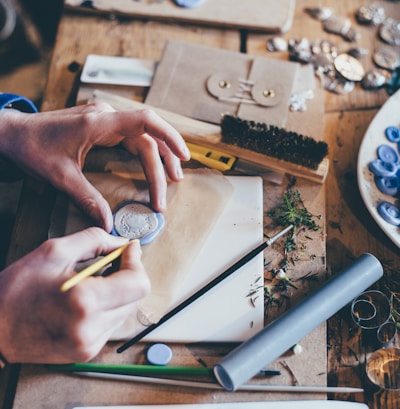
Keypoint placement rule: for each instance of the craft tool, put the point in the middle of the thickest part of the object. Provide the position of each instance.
(229, 271)
(220, 160)
(273, 141)
(372, 310)
(210, 135)
(209, 385)
(248, 358)
(94, 268)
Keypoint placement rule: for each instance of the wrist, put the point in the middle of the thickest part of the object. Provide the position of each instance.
(10, 120)
(10, 104)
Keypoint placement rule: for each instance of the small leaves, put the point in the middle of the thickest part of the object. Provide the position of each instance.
(293, 211)
(281, 279)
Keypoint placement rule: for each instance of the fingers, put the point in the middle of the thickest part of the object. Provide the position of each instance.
(87, 244)
(86, 196)
(124, 287)
(148, 122)
(153, 168)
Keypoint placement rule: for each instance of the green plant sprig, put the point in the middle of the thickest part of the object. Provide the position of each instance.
(293, 211)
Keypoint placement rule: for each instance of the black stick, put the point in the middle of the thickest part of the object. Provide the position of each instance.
(230, 270)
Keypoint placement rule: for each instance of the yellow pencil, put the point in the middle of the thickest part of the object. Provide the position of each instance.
(94, 268)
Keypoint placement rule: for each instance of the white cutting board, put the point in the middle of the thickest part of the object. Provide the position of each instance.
(301, 404)
(225, 313)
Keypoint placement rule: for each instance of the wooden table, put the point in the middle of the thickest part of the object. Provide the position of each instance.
(350, 231)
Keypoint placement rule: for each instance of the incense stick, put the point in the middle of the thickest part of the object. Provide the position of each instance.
(94, 268)
(209, 385)
(229, 271)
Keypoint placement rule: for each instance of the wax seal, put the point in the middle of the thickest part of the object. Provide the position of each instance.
(159, 354)
(137, 220)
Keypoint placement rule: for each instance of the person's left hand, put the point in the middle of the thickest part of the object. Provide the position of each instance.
(54, 145)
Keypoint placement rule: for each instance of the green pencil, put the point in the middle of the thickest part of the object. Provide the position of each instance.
(125, 369)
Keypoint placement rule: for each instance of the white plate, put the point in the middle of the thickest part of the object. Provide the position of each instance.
(388, 115)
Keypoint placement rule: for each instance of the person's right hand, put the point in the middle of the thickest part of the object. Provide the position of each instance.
(53, 145)
(41, 324)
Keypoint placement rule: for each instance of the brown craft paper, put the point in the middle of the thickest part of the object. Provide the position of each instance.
(194, 206)
(195, 81)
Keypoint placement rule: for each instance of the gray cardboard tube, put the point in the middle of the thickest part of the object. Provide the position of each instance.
(251, 356)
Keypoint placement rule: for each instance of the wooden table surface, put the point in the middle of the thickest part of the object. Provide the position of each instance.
(350, 230)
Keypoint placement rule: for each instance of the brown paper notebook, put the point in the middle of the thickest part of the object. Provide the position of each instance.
(260, 15)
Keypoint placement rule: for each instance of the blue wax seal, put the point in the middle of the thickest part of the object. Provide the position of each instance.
(387, 154)
(389, 212)
(392, 133)
(159, 354)
(189, 3)
(137, 220)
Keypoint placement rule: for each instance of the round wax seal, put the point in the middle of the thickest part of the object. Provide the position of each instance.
(159, 354)
(137, 220)
(189, 3)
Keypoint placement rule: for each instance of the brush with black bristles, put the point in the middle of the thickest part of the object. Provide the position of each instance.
(273, 141)
(267, 146)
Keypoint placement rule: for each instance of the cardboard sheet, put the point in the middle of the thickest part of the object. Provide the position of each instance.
(260, 15)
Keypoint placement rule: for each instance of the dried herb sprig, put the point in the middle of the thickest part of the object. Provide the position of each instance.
(293, 211)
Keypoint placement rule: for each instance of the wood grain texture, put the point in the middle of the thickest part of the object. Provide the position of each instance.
(253, 14)
(305, 26)
(129, 38)
(350, 230)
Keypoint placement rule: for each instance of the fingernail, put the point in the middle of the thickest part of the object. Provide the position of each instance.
(179, 172)
(163, 203)
(186, 151)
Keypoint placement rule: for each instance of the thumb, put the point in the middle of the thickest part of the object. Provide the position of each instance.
(89, 199)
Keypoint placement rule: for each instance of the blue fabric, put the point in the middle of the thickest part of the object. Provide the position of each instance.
(17, 102)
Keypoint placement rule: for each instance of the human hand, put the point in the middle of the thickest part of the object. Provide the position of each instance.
(54, 145)
(41, 324)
